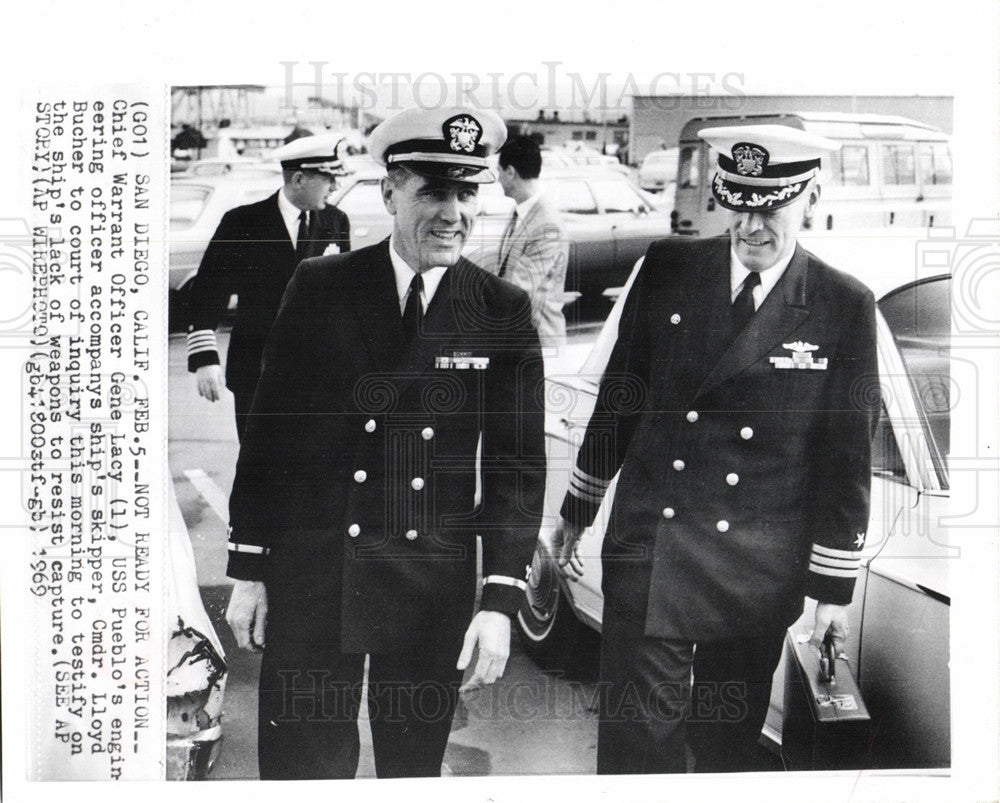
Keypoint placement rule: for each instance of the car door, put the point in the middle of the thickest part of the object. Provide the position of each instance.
(903, 653)
(592, 246)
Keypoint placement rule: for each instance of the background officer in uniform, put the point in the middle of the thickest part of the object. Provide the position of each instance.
(737, 405)
(534, 251)
(353, 512)
(253, 254)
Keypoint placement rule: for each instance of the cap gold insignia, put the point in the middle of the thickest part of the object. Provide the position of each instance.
(801, 358)
(750, 159)
(463, 133)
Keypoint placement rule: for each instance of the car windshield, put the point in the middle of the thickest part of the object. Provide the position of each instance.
(362, 199)
(617, 196)
(571, 196)
(186, 204)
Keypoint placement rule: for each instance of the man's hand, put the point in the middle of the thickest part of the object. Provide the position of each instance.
(565, 541)
(491, 631)
(832, 618)
(210, 382)
(247, 613)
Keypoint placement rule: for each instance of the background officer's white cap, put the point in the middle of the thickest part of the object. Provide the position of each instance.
(318, 152)
(764, 166)
(450, 143)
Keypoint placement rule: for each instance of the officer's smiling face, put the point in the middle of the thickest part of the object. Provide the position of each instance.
(762, 239)
(432, 218)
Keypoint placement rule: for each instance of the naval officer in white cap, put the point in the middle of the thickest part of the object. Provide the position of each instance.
(252, 255)
(353, 513)
(744, 457)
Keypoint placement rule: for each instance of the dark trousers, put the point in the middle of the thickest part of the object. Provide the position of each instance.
(308, 709)
(242, 401)
(653, 719)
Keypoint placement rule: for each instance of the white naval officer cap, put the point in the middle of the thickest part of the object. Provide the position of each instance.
(319, 152)
(453, 143)
(764, 166)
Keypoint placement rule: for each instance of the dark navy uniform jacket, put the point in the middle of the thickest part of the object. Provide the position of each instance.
(252, 256)
(745, 478)
(354, 496)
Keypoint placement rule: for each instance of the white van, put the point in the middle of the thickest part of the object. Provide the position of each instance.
(889, 171)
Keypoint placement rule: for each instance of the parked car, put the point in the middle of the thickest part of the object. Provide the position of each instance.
(570, 159)
(658, 171)
(220, 166)
(197, 204)
(898, 646)
(609, 221)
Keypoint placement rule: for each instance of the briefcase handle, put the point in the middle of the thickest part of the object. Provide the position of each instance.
(828, 660)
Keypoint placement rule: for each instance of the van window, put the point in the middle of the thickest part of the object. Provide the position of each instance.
(898, 165)
(687, 171)
(846, 167)
(935, 163)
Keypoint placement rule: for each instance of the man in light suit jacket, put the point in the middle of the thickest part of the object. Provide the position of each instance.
(252, 255)
(353, 515)
(738, 405)
(534, 251)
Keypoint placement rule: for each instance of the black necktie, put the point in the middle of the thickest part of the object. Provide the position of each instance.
(302, 240)
(505, 242)
(412, 312)
(743, 306)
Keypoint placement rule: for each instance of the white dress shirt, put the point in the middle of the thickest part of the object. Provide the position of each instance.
(768, 278)
(290, 214)
(404, 275)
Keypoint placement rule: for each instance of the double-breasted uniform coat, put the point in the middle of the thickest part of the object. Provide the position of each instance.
(744, 480)
(252, 256)
(744, 483)
(355, 499)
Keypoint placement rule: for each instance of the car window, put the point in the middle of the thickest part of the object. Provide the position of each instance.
(919, 317)
(617, 196)
(186, 204)
(364, 199)
(571, 196)
(886, 458)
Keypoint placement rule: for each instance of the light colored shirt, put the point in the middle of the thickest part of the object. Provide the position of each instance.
(404, 275)
(768, 278)
(290, 214)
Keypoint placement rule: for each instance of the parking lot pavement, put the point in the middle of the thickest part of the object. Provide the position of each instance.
(529, 723)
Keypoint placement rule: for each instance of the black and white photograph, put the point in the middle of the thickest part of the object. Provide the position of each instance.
(504, 403)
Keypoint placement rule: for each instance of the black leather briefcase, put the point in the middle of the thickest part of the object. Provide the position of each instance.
(825, 724)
